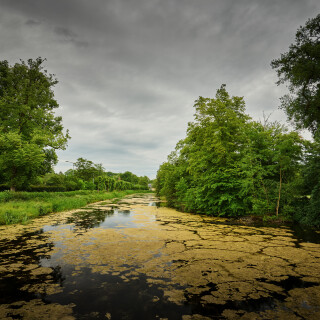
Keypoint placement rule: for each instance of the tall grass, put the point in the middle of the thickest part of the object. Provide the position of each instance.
(20, 207)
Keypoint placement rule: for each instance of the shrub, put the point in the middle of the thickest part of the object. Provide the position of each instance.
(47, 188)
(4, 187)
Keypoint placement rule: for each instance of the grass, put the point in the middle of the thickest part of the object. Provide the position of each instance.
(21, 207)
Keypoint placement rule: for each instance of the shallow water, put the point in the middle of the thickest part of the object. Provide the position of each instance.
(138, 260)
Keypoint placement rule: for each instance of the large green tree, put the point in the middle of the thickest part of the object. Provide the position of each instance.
(130, 177)
(230, 165)
(29, 130)
(87, 170)
(300, 68)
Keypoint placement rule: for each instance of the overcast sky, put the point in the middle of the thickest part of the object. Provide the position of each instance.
(129, 71)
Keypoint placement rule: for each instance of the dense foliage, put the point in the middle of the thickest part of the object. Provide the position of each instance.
(29, 131)
(300, 68)
(86, 175)
(230, 165)
(30, 134)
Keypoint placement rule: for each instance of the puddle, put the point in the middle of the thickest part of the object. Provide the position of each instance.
(140, 260)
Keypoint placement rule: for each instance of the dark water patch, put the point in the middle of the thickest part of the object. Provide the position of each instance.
(120, 219)
(10, 288)
(290, 283)
(112, 218)
(215, 311)
(20, 260)
(96, 295)
(89, 219)
(128, 294)
(13, 251)
(305, 234)
(17, 285)
(262, 304)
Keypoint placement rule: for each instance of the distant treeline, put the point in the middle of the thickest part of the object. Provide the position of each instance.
(85, 175)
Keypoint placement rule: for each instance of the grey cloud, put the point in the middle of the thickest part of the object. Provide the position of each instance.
(32, 22)
(69, 36)
(65, 32)
(129, 71)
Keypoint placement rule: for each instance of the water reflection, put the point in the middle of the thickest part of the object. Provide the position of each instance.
(128, 265)
(22, 276)
(104, 218)
(89, 219)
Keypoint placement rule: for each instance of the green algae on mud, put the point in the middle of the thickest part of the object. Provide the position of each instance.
(144, 261)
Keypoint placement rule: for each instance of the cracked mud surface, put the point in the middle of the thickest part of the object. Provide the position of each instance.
(134, 260)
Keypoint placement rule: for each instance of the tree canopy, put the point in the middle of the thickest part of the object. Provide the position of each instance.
(230, 165)
(29, 130)
(300, 68)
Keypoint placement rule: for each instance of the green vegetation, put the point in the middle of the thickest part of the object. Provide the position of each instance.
(30, 134)
(300, 68)
(20, 207)
(29, 131)
(73, 180)
(64, 191)
(230, 165)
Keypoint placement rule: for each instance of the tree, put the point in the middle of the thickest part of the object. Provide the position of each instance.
(87, 170)
(213, 149)
(20, 161)
(309, 205)
(300, 67)
(144, 181)
(30, 133)
(271, 163)
(229, 165)
(129, 176)
(203, 173)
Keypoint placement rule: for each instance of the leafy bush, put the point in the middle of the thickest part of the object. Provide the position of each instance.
(48, 188)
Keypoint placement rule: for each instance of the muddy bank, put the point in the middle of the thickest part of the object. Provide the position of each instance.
(134, 260)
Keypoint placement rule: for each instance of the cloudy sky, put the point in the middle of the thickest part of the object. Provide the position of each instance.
(129, 71)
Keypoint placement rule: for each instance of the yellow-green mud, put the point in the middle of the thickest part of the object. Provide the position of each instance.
(137, 261)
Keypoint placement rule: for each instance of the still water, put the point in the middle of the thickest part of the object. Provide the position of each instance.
(138, 260)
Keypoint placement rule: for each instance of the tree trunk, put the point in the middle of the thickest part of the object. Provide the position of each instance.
(278, 202)
(13, 177)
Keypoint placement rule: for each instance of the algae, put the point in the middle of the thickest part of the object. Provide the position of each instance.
(216, 268)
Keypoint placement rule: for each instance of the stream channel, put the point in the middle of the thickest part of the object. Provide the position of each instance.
(137, 260)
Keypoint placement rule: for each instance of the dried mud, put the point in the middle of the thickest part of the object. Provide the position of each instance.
(134, 260)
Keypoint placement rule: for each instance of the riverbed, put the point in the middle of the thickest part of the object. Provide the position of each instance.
(136, 259)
